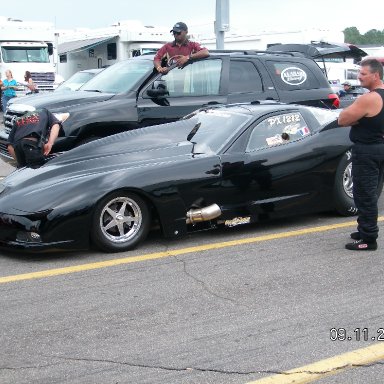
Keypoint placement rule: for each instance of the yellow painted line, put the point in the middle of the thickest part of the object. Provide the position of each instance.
(176, 252)
(327, 367)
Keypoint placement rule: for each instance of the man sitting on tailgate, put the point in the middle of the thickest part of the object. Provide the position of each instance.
(32, 137)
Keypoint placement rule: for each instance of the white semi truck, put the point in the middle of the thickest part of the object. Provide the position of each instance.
(29, 46)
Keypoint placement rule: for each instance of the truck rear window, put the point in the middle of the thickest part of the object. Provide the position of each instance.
(289, 76)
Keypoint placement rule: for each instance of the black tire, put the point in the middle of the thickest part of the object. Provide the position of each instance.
(121, 220)
(343, 196)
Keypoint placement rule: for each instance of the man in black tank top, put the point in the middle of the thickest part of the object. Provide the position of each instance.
(366, 118)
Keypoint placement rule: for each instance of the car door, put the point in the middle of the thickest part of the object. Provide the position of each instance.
(274, 167)
(183, 90)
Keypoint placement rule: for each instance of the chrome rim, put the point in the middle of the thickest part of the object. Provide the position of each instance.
(120, 219)
(347, 180)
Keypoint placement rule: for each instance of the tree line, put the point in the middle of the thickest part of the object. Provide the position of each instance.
(373, 36)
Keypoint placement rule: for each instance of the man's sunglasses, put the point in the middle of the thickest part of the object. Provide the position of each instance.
(176, 33)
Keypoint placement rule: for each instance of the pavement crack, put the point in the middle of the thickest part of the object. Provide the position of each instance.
(190, 369)
(38, 366)
(162, 367)
(206, 288)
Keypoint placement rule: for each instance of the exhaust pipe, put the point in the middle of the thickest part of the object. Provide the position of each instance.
(203, 214)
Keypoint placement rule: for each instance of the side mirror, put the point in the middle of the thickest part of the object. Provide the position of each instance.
(50, 49)
(159, 89)
(156, 93)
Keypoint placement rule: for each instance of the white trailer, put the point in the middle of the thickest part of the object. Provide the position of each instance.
(98, 48)
(263, 39)
(29, 46)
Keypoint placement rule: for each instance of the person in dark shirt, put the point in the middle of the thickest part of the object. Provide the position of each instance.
(347, 88)
(181, 49)
(32, 137)
(366, 118)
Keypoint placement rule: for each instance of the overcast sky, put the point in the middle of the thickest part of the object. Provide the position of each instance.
(245, 15)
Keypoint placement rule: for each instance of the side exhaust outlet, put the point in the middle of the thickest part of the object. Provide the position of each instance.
(203, 214)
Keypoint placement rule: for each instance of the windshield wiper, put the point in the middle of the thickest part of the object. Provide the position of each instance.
(91, 90)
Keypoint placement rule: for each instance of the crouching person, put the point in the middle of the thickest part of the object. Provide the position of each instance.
(32, 137)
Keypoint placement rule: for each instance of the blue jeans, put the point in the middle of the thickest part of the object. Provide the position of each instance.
(4, 101)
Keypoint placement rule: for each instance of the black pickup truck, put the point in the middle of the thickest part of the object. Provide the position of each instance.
(131, 94)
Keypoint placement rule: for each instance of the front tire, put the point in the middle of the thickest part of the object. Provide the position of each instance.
(121, 220)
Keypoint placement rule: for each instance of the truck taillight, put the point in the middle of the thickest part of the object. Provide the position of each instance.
(335, 100)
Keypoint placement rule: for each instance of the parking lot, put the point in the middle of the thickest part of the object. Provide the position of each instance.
(224, 306)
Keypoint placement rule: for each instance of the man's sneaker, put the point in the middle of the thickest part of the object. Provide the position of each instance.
(355, 236)
(361, 245)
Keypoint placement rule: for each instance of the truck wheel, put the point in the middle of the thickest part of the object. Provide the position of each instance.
(121, 220)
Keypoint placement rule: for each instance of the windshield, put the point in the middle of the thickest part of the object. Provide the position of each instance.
(120, 77)
(213, 129)
(75, 81)
(23, 55)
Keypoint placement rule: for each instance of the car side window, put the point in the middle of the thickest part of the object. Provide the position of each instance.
(197, 79)
(278, 130)
(244, 77)
(289, 76)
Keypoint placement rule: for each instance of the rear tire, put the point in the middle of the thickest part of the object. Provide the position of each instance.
(121, 220)
(342, 192)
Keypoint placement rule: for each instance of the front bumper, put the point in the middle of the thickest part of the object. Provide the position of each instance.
(13, 246)
(32, 234)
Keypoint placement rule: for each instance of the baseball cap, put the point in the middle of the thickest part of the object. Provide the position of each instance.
(346, 83)
(178, 27)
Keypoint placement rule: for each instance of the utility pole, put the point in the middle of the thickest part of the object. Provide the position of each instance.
(222, 22)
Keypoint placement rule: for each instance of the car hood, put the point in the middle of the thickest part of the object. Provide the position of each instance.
(59, 99)
(137, 149)
(149, 143)
(77, 179)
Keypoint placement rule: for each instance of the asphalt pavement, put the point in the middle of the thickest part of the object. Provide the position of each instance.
(252, 302)
(222, 306)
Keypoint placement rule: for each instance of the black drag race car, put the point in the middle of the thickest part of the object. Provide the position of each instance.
(221, 165)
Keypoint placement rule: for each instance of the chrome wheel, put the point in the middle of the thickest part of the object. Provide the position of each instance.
(121, 219)
(343, 187)
(348, 181)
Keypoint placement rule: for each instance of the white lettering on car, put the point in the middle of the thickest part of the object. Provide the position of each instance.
(293, 76)
(284, 119)
(237, 221)
(349, 155)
